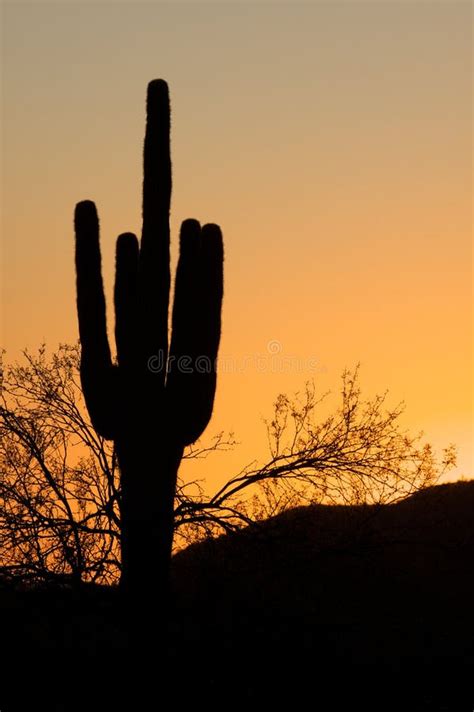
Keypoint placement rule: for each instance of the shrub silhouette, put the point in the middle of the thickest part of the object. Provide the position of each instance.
(159, 396)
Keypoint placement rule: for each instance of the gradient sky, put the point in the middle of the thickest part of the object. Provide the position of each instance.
(331, 141)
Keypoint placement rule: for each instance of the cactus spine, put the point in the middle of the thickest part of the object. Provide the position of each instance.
(159, 396)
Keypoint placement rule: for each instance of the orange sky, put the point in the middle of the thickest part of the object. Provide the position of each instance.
(331, 141)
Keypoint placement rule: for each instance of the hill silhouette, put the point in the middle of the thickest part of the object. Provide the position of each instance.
(322, 606)
(372, 603)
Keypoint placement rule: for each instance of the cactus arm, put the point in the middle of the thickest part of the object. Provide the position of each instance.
(125, 299)
(181, 382)
(185, 304)
(196, 327)
(209, 330)
(154, 269)
(97, 373)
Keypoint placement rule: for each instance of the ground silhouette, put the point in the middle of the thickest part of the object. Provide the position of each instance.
(322, 607)
(369, 604)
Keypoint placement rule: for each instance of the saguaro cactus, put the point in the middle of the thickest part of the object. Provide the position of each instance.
(159, 396)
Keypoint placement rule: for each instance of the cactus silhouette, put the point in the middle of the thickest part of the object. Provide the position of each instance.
(159, 396)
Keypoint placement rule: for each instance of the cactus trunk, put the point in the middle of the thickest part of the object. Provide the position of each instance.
(158, 397)
(147, 526)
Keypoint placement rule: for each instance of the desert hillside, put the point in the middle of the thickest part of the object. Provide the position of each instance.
(379, 594)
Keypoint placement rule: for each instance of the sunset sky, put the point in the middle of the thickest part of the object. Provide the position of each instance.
(330, 140)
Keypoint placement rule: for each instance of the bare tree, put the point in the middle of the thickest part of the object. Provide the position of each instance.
(59, 484)
(358, 454)
(59, 496)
